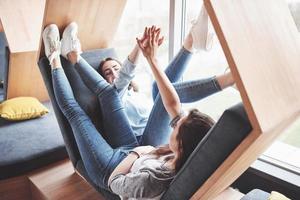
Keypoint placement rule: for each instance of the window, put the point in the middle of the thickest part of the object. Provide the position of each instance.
(138, 14)
(285, 151)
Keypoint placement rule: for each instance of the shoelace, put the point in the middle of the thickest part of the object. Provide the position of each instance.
(75, 43)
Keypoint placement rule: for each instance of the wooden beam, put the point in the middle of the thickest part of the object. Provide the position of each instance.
(22, 23)
(24, 77)
(261, 44)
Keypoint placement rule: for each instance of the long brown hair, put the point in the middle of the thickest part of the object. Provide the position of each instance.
(190, 133)
(132, 84)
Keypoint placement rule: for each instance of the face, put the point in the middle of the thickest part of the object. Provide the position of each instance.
(173, 143)
(110, 70)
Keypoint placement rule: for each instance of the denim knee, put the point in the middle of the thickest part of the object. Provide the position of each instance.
(71, 110)
(106, 91)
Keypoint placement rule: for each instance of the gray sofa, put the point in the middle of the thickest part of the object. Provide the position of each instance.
(229, 131)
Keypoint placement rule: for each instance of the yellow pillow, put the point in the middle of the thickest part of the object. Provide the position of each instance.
(22, 108)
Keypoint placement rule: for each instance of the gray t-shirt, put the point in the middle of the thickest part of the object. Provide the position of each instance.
(148, 179)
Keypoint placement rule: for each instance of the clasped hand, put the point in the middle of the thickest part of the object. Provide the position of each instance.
(150, 41)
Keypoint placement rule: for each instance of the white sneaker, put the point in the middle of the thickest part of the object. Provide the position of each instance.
(202, 31)
(51, 42)
(70, 41)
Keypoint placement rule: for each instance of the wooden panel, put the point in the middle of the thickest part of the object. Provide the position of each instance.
(60, 181)
(22, 23)
(97, 19)
(36, 194)
(261, 43)
(24, 77)
(9, 187)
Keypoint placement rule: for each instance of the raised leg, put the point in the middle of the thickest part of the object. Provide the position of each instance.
(157, 131)
(98, 156)
(115, 121)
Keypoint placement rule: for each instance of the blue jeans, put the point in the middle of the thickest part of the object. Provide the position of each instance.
(100, 156)
(189, 91)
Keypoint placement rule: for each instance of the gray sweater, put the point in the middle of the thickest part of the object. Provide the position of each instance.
(148, 179)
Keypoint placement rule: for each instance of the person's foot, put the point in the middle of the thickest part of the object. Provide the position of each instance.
(70, 41)
(51, 42)
(202, 31)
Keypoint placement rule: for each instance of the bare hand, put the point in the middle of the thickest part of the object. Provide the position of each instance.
(150, 41)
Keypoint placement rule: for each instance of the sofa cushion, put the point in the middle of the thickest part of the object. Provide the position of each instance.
(22, 108)
(27, 145)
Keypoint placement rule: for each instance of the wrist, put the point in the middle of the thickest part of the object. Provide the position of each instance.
(152, 60)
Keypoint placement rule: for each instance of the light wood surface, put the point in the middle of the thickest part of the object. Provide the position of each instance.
(260, 42)
(22, 23)
(97, 19)
(60, 181)
(56, 181)
(24, 77)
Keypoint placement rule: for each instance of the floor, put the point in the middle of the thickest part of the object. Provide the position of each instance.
(56, 181)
